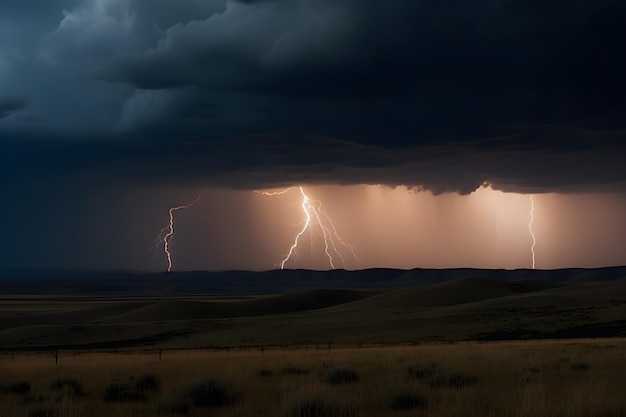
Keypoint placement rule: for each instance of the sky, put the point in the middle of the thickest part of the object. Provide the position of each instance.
(423, 128)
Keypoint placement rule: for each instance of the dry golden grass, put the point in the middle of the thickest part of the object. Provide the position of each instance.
(551, 378)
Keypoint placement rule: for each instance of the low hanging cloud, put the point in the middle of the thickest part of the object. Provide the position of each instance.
(253, 162)
(250, 94)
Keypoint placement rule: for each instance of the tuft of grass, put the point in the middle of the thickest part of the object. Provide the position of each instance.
(292, 370)
(454, 380)
(406, 400)
(316, 406)
(174, 405)
(342, 376)
(121, 393)
(579, 366)
(148, 383)
(264, 373)
(20, 388)
(68, 386)
(31, 398)
(421, 372)
(207, 393)
(43, 411)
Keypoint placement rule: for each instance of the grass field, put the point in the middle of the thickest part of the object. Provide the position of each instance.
(428, 350)
(540, 378)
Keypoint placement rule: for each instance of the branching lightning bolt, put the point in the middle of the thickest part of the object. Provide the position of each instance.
(167, 233)
(305, 207)
(314, 216)
(530, 228)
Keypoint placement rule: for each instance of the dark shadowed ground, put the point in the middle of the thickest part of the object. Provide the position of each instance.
(71, 310)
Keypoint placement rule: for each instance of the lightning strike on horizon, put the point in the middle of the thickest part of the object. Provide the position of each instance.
(305, 207)
(167, 232)
(530, 228)
(315, 216)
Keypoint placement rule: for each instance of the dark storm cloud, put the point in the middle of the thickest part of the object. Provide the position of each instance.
(442, 95)
(593, 162)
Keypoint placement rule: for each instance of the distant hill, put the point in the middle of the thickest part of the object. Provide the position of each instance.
(231, 283)
(578, 303)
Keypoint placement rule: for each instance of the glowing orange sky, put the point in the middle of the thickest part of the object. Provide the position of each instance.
(401, 228)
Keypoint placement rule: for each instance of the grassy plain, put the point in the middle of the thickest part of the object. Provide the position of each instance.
(572, 378)
(415, 350)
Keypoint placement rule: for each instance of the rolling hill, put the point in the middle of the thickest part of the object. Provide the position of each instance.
(305, 307)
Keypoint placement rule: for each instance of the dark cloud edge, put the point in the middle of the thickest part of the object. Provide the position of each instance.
(584, 162)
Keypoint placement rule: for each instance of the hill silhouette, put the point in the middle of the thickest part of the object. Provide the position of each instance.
(121, 310)
(229, 283)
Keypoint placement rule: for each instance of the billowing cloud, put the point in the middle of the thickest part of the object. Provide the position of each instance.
(98, 31)
(245, 94)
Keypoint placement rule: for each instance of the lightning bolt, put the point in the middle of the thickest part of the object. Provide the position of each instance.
(530, 228)
(306, 205)
(167, 232)
(273, 193)
(316, 218)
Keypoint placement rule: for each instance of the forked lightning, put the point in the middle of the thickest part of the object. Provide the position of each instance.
(167, 233)
(530, 229)
(314, 217)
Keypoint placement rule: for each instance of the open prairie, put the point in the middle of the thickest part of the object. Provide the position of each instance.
(447, 343)
(550, 378)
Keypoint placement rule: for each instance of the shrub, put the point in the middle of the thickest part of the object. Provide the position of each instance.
(421, 372)
(68, 386)
(120, 393)
(263, 373)
(407, 401)
(174, 405)
(43, 411)
(208, 393)
(20, 388)
(342, 376)
(33, 399)
(456, 380)
(292, 370)
(148, 382)
(579, 366)
(319, 407)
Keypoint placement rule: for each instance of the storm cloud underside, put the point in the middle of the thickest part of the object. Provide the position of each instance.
(248, 94)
